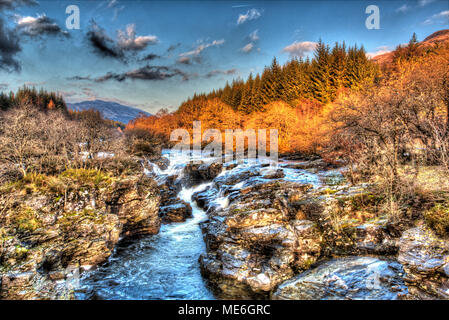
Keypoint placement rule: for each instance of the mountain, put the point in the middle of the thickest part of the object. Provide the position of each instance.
(436, 38)
(109, 110)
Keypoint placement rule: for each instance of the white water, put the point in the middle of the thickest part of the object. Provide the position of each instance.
(165, 266)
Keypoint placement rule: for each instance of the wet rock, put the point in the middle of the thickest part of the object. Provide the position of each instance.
(360, 278)
(256, 242)
(162, 162)
(425, 258)
(195, 173)
(175, 212)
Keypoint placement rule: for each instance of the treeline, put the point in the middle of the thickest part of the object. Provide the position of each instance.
(320, 78)
(41, 99)
(292, 98)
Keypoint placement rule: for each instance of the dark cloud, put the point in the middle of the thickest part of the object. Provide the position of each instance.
(147, 73)
(39, 26)
(220, 72)
(79, 78)
(150, 57)
(12, 4)
(173, 47)
(9, 47)
(126, 46)
(102, 44)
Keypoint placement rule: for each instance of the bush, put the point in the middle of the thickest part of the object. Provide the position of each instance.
(438, 218)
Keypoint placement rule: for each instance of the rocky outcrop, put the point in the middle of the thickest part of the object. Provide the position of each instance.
(350, 278)
(425, 258)
(45, 237)
(177, 211)
(257, 241)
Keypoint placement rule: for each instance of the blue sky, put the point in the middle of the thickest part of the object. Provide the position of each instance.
(194, 46)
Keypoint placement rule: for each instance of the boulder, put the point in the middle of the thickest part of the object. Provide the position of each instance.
(350, 278)
(177, 211)
(425, 258)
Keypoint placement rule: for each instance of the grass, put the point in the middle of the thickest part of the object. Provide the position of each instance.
(58, 185)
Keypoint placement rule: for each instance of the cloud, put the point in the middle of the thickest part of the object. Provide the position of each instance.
(102, 44)
(12, 4)
(403, 8)
(3, 86)
(112, 3)
(173, 47)
(128, 40)
(79, 78)
(213, 73)
(147, 73)
(299, 49)
(39, 26)
(247, 48)
(252, 14)
(151, 56)
(442, 17)
(9, 48)
(201, 47)
(423, 3)
(380, 50)
(253, 36)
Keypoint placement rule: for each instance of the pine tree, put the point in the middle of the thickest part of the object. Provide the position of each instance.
(321, 74)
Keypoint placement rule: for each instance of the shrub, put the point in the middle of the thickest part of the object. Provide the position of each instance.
(438, 218)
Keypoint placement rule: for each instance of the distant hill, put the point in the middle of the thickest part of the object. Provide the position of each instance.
(438, 37)
(109, 110)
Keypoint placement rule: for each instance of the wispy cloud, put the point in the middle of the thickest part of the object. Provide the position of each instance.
(252, 14)
(299, 49)
(193, 55)
(213, 73)
(201, 47)
(442, 17)
(253, 36)
(404, 8)
(423, 3)
(247, 48)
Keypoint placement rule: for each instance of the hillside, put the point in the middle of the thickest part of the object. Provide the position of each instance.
(109, 110)
(436, 38)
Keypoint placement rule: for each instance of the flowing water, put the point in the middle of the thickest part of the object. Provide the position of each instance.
(165, 266)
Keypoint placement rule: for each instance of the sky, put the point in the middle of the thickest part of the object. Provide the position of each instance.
(156, 54)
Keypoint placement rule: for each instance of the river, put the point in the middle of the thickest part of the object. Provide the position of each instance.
(165, 266)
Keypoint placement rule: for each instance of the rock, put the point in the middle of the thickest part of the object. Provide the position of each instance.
(351, 278)
(162, 162)
(43, 234)
(425, 258)
(135, 200)
(373, 238)
(175, 212)
(256, 242)
(196, 173)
